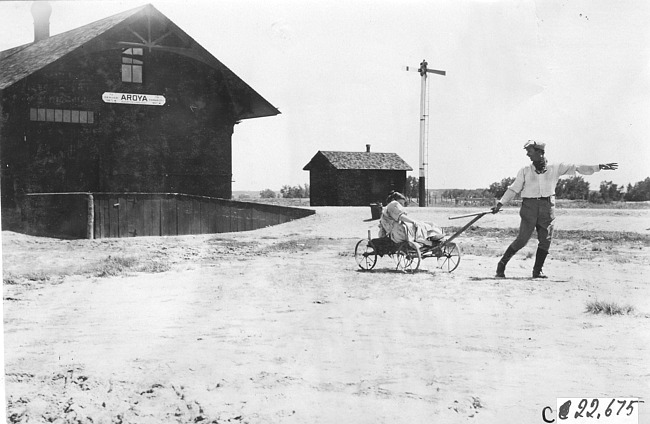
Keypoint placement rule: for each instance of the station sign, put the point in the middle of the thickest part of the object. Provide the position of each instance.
(133, 99)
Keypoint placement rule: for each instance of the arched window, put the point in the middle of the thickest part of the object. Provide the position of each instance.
(132, 65)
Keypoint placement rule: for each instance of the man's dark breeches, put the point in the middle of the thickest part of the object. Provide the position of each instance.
(535, 214)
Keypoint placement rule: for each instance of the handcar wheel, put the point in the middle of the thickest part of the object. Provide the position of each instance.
(365, 254)
(449, 257)
(408, 257)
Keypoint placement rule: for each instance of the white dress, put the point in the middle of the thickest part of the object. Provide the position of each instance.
(399, 231)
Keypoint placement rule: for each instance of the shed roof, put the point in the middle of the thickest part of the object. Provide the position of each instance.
(19, 62)
(360, 160)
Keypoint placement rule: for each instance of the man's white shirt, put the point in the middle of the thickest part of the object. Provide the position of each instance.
(531, 184)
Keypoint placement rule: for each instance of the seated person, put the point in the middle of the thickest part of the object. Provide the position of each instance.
(399, 227)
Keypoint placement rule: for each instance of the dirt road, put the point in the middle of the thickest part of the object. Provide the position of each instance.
(280, 326)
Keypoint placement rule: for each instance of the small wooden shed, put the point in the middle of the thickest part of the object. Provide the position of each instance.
(354, 178)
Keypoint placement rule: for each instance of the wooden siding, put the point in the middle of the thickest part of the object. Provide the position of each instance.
(352, 187)
(322, 186)
(144, 214)
(64, 216)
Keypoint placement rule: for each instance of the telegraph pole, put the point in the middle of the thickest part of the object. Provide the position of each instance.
(423, 70)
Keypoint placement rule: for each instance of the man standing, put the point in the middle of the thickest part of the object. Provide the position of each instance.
(536, 183)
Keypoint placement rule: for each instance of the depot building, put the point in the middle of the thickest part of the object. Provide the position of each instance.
(130, 103)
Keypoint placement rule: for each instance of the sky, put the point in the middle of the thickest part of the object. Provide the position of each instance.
(574, 74)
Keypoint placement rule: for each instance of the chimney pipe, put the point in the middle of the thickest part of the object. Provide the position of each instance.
(41, 11)
(367, 148)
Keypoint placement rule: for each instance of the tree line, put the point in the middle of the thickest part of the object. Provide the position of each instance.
(574, 188)
(287, 192)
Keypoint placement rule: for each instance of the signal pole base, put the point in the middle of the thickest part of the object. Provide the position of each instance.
(422, 193)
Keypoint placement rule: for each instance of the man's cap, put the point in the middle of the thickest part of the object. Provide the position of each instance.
(535, 144)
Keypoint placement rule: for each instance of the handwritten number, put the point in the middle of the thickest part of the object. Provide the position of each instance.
(630, 407)
(582, 405)
(594, 404)
(582, 412)
(609, 411)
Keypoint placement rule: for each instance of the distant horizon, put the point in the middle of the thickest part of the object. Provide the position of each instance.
(591, 186)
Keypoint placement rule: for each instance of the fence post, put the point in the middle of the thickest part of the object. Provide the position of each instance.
(90, 228)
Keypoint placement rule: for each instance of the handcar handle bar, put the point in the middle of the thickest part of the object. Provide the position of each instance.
(477, 216)
(470, 214)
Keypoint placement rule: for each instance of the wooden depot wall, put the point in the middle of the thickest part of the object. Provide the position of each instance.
(110, 215)
(183, 146)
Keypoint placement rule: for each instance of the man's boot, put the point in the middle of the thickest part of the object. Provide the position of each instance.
(501, 266)
(540, 257)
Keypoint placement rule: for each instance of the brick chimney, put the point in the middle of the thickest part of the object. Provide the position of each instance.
(41, 11)
(367, 148)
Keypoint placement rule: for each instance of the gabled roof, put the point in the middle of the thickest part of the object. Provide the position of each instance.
(360, 160)
(22, 61)
(19, 62)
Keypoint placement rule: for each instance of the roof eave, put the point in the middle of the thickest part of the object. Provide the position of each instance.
(258, 106)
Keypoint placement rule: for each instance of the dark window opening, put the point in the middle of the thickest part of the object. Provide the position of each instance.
(62, 115)
(132, 63)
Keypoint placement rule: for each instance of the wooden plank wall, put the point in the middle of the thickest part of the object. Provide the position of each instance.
(143, 214)
(63, 215)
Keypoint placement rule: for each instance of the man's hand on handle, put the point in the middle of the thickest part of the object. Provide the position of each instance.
(496, 208)
(608, 166)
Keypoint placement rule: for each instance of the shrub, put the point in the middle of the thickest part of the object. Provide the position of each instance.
(638, 192)
(267, 194)
(608, 308)
(412, 189)
(610, 192)
(572, 188)
(498, 189)
(596, 197)
(295, 192)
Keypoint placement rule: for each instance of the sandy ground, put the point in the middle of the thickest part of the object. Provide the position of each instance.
(280, 326)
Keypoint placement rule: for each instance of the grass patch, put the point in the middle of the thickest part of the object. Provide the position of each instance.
(234, 243)
(116, 265)
(10, 278)
(608, 308)
(574, 235)
(620, 259)
(154, 267)
(120, 265)
(111, 266)
(480, 249)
